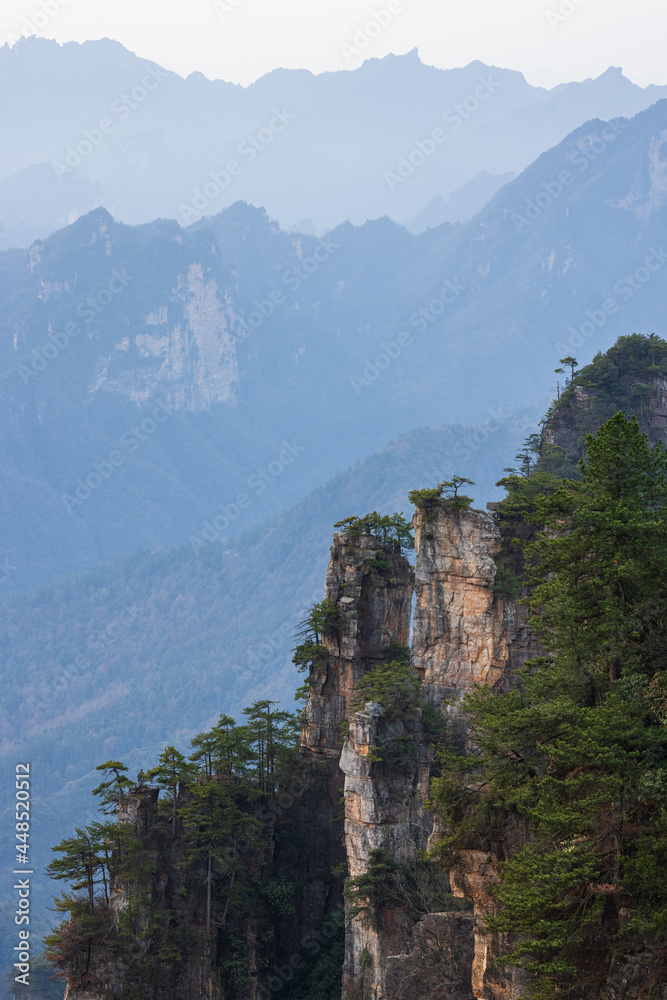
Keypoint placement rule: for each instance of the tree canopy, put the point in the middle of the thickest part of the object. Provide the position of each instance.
(578, 750)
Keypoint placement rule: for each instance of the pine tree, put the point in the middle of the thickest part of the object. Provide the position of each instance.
(80, 863)
(114, 788)
(172, 770)
(579, 748)
(273, 737)
(601, 562)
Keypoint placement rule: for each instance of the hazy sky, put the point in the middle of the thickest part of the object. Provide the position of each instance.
(240, 40)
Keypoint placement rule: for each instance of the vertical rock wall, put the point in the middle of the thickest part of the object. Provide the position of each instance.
(376, 607)
(372, 586)
(463, 635)
(383, 810)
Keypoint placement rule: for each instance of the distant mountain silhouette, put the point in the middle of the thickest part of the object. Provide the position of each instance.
(114, 130)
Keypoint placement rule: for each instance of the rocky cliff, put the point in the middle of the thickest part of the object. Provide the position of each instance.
(372, 586)
(463, 634)
(347, 805)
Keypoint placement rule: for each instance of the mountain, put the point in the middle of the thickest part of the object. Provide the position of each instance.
(151, 648)
(109, 128)
(259, 363)
(355, 796)
(461, 205)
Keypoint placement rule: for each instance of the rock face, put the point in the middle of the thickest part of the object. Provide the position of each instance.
(372, 587)
(383, 811)
(185, 351)
(461, 631)
(463, 634)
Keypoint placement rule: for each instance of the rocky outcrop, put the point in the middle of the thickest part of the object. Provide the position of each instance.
(464, 634)
(579, 412)
(359, 794)
(185, 352)
(460, 628)
(372, 586)
(384, 810)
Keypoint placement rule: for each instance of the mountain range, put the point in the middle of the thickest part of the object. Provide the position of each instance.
(93, 125)
(276, 359)
(178, 401)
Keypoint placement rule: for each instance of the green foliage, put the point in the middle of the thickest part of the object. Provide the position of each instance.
(115, 787)
(373, 888)
(215, 799)
(507, 584)
(171, 771)
(601, 560)
(322, 621)
(528, 456)
(280, 893)
(568, 362)
(447, 491)
(272, 740)
(417, 888)
(392, 529)
(380, 564)
(321, 977)
(421, 497)
(578, 751)
(393, 684)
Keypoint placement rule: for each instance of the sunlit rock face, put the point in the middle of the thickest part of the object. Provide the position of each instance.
(464, 634)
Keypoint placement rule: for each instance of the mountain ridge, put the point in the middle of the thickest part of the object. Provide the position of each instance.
(155, 152)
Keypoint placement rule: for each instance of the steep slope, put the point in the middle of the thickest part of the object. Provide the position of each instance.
(259, 340)
(464, 632)
(150, 649)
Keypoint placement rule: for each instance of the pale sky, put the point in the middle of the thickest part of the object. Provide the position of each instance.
(550, 41)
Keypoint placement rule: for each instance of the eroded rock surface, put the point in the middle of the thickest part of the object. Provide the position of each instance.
(463, 633)
(376, 603)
